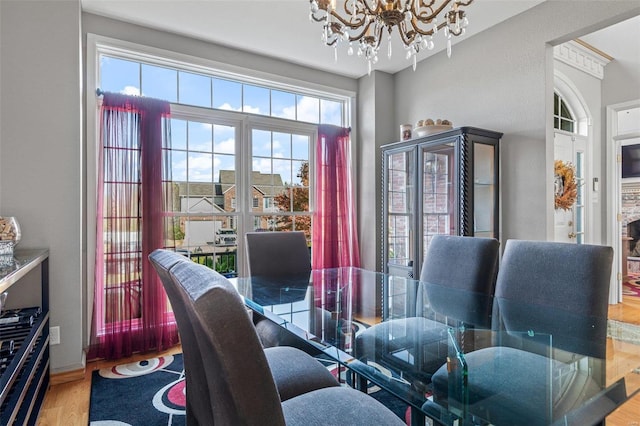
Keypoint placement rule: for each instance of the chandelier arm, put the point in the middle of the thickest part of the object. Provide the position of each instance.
(425, 19)
(370, 10)
(361, 34)
(346, 23)
(359, 11)
(406, 39)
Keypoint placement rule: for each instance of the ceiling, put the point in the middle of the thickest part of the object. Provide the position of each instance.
(281, 29)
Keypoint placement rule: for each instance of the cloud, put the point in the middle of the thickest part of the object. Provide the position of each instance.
(130, 90)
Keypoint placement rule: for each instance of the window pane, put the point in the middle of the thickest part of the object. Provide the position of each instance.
(281, 145)
(331, 112)
(178, 134)
(308, 109)
(261, 143)
(159, 82)
(256, 100)
(566, 125)
(224, 170)
(195, 89)
(556, 104)
(300, 147)
(300, 173)
(224, 139)
(178, 166)
(119, 76)
(283, 104)
(200, 167)
(227, 95)
(200, 136)
(564, 111)
(283, 169)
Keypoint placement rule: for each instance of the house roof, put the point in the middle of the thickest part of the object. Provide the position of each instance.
(267, 183)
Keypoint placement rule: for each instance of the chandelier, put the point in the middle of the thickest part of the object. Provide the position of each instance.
(364, 22)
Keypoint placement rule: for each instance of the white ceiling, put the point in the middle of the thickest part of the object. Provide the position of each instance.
(282, 29)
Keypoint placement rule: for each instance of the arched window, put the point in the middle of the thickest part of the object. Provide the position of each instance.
(562, 116)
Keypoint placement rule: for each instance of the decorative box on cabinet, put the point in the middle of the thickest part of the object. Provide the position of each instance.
(24, 373)
(444, 183)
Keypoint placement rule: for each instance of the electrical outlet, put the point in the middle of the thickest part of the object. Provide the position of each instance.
(54, 335)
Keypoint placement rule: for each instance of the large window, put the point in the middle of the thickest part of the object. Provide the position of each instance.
(240, 155)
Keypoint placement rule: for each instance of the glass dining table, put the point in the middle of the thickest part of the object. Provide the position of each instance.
(487, 361)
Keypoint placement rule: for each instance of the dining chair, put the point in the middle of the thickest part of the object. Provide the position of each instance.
(274, 254)
(550, 306)
(273, 257)
(457, 281)
(241, 386)
(286, 363)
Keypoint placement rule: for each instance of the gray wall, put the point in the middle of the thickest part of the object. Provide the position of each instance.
(375, 127)
(40, 154)
(502, 79)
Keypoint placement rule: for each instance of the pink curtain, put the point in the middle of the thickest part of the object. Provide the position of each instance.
(335, 241)
(130, 306)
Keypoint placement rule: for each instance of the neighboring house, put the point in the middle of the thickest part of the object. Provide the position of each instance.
(215, 201)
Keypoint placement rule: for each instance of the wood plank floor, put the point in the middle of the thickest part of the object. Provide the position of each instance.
(68, 403)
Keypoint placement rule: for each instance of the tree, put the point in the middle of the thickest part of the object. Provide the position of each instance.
(295, 198)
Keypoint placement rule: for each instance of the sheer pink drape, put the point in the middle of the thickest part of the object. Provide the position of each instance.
(130, 306)
(335, 241)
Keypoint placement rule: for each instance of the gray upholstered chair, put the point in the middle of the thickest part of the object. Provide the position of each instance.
(543, 288)
(286, 364)
(241, 387)
(461, 273)
(278, 254)
(273, 257)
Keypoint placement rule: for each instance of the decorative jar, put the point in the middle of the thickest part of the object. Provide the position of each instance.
(9, 235)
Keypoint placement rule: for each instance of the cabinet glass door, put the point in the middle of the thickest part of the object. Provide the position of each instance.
(438, 192)
(400, 212)
(484, 190)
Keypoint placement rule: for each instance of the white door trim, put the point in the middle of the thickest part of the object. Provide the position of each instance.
(614, 211)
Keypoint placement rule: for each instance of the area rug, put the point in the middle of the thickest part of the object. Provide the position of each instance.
(145, 393)
(152, 393)
(631, 287)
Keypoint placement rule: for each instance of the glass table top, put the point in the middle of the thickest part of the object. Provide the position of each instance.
(450, 354)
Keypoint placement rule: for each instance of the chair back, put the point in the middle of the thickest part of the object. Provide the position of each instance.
(241, 387)
(198, 407)
(278, 254)
(464, 270)
(554, 288)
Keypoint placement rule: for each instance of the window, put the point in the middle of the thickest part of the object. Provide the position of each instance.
(184, 87)
(241, 151)
(562, 116)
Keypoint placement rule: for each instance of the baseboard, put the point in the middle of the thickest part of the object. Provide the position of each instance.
(67, 376)
(71, 375)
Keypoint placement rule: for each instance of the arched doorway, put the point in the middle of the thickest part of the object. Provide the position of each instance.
(572, 223)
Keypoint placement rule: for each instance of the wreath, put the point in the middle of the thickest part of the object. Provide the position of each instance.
(565, 187)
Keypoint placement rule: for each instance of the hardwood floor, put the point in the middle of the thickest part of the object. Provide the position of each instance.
(68, 403)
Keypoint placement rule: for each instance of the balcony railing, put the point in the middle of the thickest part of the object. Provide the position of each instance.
(224, 263)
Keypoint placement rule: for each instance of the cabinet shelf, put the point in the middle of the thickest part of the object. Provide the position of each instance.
(449, 183)
(24, 370)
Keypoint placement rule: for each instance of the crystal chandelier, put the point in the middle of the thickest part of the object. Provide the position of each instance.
(364, 21)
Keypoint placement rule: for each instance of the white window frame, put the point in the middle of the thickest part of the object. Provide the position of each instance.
(97, 45)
